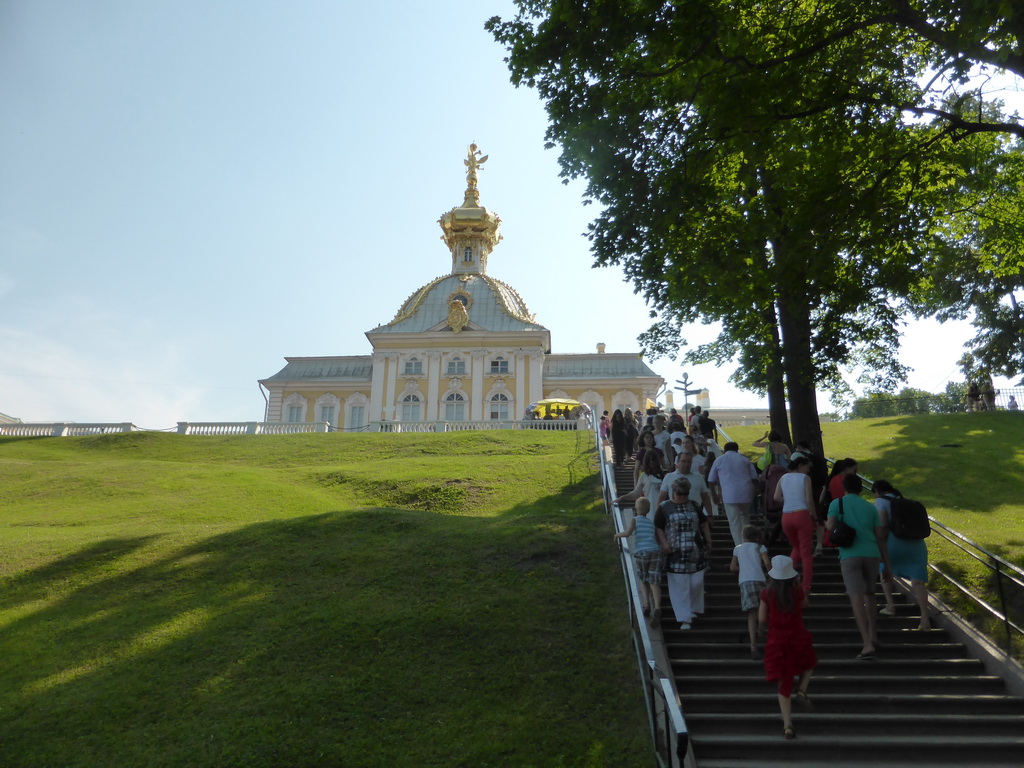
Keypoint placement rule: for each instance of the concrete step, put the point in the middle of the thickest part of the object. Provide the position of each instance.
(695, 653)
(725, 623)
(882, 684)
(862, 749)
(872, 702)
(736, 634)
(874, 724)
(847, 667)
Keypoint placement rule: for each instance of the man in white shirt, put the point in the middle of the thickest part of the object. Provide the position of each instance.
(736, 478)
(698, 488)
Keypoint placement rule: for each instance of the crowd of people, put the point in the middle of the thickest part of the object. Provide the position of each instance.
(786, 498)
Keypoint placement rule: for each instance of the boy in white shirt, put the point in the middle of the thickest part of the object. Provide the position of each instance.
(747, 560)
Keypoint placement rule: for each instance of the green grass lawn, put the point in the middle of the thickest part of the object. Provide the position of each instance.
(312, 600)
(967, 468)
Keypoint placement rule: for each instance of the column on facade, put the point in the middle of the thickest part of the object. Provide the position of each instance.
(476, 408)
(433, 384)
(376, 408)
(520, 393)
(536, 363)
(391, 412)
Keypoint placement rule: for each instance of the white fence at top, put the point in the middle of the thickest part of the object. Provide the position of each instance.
(63, 429)
(250, 427)
(467, 426)
(71, 429)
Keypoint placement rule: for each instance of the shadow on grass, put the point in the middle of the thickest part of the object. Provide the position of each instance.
(382, 637)
(981, 474)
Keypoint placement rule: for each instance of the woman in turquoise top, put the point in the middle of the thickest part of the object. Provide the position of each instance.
(859, 562)
(908, 557)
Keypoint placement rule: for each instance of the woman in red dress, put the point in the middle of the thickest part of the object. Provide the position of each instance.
(789, 651)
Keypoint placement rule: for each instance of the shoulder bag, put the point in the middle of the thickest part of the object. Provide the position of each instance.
(841, 534)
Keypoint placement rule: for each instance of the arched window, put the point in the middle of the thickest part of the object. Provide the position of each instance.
(499, 365)
(328, 408)
(410, 408)
(454, 407)
(467, 255)
(294, 408)
(499, 407)
(456, 367)
(413, 366)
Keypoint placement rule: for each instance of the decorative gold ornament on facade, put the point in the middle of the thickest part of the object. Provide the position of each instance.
(458, 317)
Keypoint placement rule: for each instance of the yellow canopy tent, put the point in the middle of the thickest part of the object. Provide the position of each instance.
(555, 407)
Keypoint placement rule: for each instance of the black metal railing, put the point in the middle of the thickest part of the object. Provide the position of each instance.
(1008, 583)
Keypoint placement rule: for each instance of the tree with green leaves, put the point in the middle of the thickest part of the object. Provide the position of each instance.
(980, 274)
(760, 165)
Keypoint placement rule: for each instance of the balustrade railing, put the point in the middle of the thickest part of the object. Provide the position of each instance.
(71, 429)
(63, 429)
(465, 426)
(250, 427)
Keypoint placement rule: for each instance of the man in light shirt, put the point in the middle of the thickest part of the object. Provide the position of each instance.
(698, 488)
(736, 478)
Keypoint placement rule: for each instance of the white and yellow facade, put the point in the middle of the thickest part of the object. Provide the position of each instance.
(464, 347)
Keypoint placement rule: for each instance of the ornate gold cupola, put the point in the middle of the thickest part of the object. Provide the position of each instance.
(470, 231)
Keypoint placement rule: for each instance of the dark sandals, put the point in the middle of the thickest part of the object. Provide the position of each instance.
(804, 701)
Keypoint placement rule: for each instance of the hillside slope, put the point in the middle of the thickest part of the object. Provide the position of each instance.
(312, 600)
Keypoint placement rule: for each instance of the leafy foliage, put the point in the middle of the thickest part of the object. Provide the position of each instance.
(762, 165)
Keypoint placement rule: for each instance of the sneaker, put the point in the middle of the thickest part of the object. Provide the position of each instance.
(887, 611)
(684, 625)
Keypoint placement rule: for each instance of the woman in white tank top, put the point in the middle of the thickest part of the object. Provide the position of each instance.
(794, 491)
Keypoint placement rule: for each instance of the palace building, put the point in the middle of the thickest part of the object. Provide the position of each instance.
(463, 348)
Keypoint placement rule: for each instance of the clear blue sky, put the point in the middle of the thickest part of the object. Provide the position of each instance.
(191, 191)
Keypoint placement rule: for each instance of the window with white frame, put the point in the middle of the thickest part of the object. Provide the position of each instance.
(356, 416)
(293, 409)
(456, 367)
(454, 407)
(499, 407)
(499, 365)
(327, 414)
(411, 408)
(413, 366)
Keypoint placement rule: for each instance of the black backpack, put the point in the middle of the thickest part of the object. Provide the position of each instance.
(908, 519)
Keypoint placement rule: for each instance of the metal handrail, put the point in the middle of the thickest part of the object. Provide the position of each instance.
(1005, 571)
(658, 688)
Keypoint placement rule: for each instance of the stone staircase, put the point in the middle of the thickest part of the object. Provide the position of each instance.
(923, 701)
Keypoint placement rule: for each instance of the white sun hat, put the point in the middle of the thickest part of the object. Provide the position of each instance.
(782, 568)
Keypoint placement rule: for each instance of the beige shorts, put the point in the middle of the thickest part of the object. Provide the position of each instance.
(859, 574)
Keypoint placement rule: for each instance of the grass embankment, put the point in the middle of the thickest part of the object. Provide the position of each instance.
(967, 468)
(311, 600)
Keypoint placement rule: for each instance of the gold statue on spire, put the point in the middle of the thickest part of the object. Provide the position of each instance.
(472, 163)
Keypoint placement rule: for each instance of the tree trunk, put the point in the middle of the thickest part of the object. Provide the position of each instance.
(795, 324)
(776, 386)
